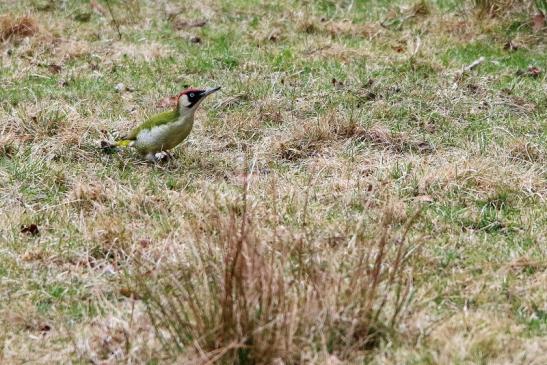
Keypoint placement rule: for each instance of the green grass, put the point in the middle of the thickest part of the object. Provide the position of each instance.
(339, 121)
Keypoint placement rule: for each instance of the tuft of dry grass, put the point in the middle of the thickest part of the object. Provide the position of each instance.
(309, 140)
(13, 26)
(250, 294)
(527, 151)
(495, 8)
(421, 8)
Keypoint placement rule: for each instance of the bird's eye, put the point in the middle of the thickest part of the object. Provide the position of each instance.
(191, 95)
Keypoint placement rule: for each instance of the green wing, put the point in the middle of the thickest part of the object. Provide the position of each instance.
(156, 120)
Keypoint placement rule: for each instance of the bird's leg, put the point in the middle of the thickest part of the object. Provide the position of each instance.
(151, 157)
(156, 157)
(163, 156)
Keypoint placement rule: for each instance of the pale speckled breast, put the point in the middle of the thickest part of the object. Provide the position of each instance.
(163, 137)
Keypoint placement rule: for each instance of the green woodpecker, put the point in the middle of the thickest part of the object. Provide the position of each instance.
(166, 130)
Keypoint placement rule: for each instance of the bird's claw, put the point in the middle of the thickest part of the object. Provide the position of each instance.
(162, 156)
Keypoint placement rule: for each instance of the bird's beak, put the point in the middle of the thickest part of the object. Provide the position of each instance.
(210, 90)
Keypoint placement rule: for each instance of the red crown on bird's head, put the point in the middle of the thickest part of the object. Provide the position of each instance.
(188, 91)
(173, 101)
(193, 97)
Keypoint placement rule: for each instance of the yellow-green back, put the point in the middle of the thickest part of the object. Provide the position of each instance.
(156, 120)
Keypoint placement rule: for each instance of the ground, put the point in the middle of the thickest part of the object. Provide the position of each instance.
(355, 193)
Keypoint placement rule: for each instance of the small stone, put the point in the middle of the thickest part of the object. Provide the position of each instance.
(119, 87)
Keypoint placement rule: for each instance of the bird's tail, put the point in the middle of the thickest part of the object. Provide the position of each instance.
(112, 147)
(123, 143)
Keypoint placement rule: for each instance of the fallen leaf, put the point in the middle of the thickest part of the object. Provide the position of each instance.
(144, 243)
(539, 22)
(534, 71)
(31, 229)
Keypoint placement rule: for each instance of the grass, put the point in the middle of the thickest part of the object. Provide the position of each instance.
(353, 194)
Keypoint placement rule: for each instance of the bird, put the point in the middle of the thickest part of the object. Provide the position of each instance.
(166, 130)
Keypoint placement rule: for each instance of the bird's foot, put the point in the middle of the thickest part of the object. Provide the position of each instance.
(158, 157)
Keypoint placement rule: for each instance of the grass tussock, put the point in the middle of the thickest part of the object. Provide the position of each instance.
(250, 295)
(499, 8)
(308, 139)
(314, 138)
(526, 151)
(14, 27)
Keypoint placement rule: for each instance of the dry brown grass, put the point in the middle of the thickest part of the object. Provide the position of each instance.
(310, 139)
(13, 26)
(259, 294)
(8, 147)
(340, 120)
(495, 8)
